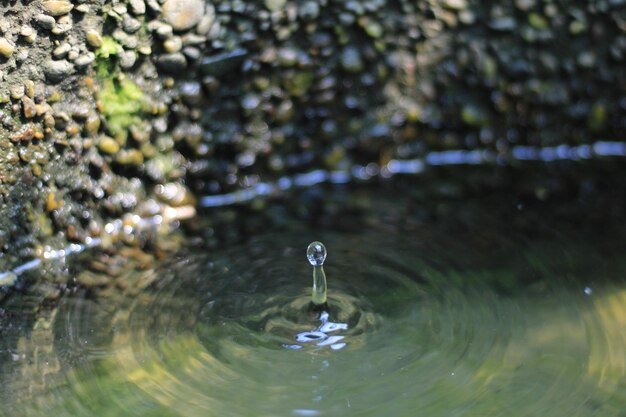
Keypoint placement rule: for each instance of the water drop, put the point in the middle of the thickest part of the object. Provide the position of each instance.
(316, 253)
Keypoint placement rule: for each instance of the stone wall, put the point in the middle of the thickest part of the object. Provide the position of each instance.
(116, 107)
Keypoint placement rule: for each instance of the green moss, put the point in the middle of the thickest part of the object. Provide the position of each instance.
(122, 104)
(109, 47)
(597, 118)
(538, 21)
(299, 83)
(105, 64)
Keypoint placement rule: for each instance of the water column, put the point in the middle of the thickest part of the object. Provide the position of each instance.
(316, 253)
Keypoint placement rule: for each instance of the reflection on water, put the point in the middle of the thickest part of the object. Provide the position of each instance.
(486, 321)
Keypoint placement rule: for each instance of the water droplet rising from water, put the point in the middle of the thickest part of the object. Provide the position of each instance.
(316, 253)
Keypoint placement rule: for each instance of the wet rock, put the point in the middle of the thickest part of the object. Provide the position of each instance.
(57, 8)
(28, 33)
(108, 145)
(577, 27)
(7, 47)
(28, 107)
(84, 60)
(83, 8)
(537, 21)
(183, 14)
(455, 4)
(132, 157)
(525, 5)
(130, 25)
(310, 10)
(172, 63)
(275, 5)
(16, 91)
(45, 22)
(92, 124)
(191, 53)
(351, 59)
(287, 57)
(93, 38)
(474, 115)
(61, 51)
(56, 71)
(586, 59)
(175, 194)
(137, 7)
(503, 24)
(173, 44)
(191, 92)
(64, 24)
(127, 59)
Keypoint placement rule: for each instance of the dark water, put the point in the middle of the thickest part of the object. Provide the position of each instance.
(485, 307)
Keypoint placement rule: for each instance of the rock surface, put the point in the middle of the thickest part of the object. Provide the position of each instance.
(98, 99)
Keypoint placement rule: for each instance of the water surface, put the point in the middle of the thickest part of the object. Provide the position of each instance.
(490, 309)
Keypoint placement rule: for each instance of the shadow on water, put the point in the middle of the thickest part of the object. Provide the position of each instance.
(501, 305)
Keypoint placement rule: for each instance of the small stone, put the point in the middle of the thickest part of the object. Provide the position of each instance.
(173, 44)
(21, 55)
(28, 33)
(43, 109)
(183, 14)
(172, 63)
(503, 24)
(192, 53)
(537, 21)
(57, 70)
(577, 27)
(7, 47)
(61, 50)
(137, 7)
(164, 31)
(57, 8)
(193, 39)
(205, 24)
(474, 115)
(288, 57)
(127, 59)
(467, 17)
(64, 25)
(130, 25)
(16, 91)
(120, 9)
(108, 145)
(130, 157)
(84, 60)
(275, 5)
(154, 6)
(145, 50)
(92, 124)
(455, 4)
(28, 106)
(94, 39)
(310, 10)
(586, 59)
(82, 8)
(45, 22)
(525, 5)
(351, 60)
(372, 28)
(73, 54)
(29, 88)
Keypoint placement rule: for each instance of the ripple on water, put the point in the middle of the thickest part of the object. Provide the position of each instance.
(208, 338)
